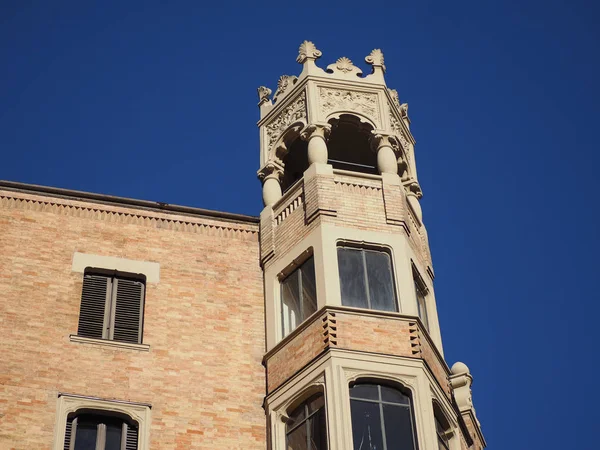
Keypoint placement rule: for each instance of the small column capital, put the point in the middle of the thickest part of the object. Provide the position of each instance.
(381, 139)
(312, 130)
(272, 169)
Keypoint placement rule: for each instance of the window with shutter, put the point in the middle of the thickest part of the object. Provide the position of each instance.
(112, 306)
(92, 431)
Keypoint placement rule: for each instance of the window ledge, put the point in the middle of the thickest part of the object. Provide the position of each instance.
(109, 343)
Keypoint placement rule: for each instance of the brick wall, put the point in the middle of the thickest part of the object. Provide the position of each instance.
(204, 323)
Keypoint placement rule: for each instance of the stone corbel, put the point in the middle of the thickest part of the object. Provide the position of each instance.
(316, 135)
(270, 175)
(460, 382)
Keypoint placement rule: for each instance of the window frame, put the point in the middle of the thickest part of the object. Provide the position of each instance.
(380, 403)
(373, 248)
(101, 420)
(421, 294)
(305, 422)
(110, 305)
(443, 428)
(296, 268)
(69, 404)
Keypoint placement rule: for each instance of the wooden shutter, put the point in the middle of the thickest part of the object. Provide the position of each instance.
(131, 438)
(128, 299)
(93, 306)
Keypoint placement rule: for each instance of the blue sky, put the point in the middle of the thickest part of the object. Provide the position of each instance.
(157, 100)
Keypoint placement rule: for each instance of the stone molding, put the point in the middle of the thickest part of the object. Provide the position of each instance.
(109, 343)
(121, 215)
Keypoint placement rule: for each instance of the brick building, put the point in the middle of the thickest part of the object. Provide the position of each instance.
(130, 324)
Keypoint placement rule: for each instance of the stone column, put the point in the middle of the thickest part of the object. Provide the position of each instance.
(270, 175)
(387, 161)
(316, 135)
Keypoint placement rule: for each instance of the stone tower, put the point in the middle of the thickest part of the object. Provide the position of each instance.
(354, 353)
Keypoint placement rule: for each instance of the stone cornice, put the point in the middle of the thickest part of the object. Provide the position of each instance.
(126, 213)
(103, 199)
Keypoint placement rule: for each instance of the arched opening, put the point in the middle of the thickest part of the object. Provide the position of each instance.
(295, 163)
(349, 145)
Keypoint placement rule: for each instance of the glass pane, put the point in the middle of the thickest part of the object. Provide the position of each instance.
(366, 426)
(365, 391)
(309, 289)
(381, 283)
(296, 440)
(85, 437)
(352, 277)
(392, 395)
(290, 302)
(316, 403)
(296, 416)
(318, 431)
(113, 436)
(398, 427)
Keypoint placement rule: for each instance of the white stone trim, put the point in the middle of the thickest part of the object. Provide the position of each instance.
(109, 343)
(69, 403)
(151, 270)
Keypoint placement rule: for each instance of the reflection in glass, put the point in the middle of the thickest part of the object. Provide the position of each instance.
(366, 279)
(298, 296)
(382, 418)
(307, 429)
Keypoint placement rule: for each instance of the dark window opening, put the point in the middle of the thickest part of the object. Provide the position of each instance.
(112, 305)
(100, 432)
(366, 279)
(382, 418)
(349, 146)
(442, 429)
(295, 163)
(306, 428)
(298, 296)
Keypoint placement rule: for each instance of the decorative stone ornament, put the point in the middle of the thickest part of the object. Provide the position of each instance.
(284, 85)
(344, 68)
(263, 95)
(375, 58)
(308, 51)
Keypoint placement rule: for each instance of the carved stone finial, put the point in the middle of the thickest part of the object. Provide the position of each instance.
(375, 58)
(263, 95)
(284, 83)
(308, 50)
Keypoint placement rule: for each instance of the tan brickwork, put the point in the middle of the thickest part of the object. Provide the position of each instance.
(204, 322)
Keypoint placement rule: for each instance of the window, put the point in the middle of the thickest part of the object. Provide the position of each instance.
(306, 428)
(382, 418)
(112, 305)
(298, 296)
(366, 279)
(442, 428)
(90, 431)
(421, 294)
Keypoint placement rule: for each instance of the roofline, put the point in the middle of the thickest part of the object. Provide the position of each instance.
(71, 194)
